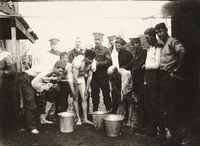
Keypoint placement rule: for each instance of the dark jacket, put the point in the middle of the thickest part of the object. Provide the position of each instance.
(125, 57)
(137, 62)
(73, 53)
(54, 52)
(104, 60)
(7, 69)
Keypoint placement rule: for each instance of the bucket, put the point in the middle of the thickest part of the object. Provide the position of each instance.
(113, 124)
(98, 122)
(66, 122)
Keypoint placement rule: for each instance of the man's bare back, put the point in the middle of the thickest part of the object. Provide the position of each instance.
(81, 66)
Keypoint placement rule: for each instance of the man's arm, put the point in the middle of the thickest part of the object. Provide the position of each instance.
(107, 62)
(182, 54)
(70, 57)
(138, 68)
(8, 73)
(89, 79)
(75, 71)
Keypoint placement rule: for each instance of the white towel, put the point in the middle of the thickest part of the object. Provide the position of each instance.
(114, 57)
(94, 65)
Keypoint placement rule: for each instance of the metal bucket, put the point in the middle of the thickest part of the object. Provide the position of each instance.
(66, 122)
(98, 122)
(113, 124)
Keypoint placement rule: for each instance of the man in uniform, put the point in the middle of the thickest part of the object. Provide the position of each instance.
(53, 43)
(100, 77)
(138, 80)
(171, 88)
(111, 42)
(76, 51)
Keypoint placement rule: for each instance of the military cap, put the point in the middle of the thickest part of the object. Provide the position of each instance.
(135, 39)
(112, 37)
(98, 35)
(160, 26)
(54, 41)
(120, 41)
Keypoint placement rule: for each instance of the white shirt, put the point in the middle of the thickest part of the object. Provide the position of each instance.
(153, 58)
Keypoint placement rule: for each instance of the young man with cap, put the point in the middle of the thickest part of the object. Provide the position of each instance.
(152, 85)
(44, 82)
(171, 88)
(138, 80)
(111, 42)
(100, 77)
(124, 57)
(53, 44)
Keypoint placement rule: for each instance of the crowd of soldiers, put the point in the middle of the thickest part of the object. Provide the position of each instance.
(131, 78)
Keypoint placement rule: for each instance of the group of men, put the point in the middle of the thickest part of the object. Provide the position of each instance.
(154, 74)
(157, 83)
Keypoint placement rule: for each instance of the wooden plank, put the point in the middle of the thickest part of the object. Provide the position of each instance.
(25, 31)
(9, 11)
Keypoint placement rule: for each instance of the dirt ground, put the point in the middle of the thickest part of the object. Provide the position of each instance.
(86, 135)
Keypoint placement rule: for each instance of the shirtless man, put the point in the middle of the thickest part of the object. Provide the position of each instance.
(81, 66)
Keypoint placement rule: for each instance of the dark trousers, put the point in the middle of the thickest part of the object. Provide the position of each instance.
(41, 103)
(96, 85)
(29, 101)
(63, 98)
(51, 96)
(151, 98)
(138, 87)
(2, 106)
(171, 90)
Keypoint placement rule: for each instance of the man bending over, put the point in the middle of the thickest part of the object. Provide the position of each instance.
(81, 66)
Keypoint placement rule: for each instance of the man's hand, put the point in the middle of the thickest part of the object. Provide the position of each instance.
(143, 66)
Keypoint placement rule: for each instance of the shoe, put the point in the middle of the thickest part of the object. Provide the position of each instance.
(35, 131)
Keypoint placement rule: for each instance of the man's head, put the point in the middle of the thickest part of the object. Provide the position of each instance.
(53, 43)
(64, 57)
(59, 67)
(111, 39)
(161, 31)
(111, 70)
(150, 36)
(119, 44)
(89, 56)
(135, 41)
(98, 38)
(77, 43)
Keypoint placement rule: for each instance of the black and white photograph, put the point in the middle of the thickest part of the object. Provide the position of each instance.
(99, 72)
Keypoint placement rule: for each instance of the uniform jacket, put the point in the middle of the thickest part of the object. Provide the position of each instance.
(73, 53)
(125, 57)
(137, 62)
(54, 52)
(104, 60)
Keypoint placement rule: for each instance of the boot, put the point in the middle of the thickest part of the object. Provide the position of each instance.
(141, 120)
(43, 120)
